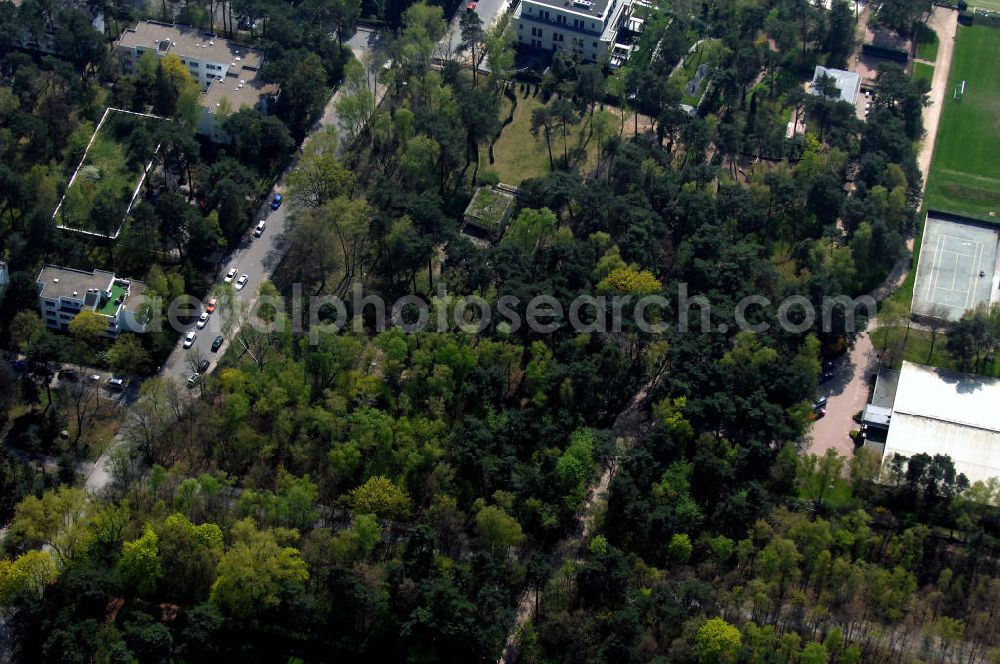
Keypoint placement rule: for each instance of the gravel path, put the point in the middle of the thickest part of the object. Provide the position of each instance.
(944, 22)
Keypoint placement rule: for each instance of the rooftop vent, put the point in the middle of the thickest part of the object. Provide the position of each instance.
(586, 4)
(74, 293)
(211, 42)
(56, 280)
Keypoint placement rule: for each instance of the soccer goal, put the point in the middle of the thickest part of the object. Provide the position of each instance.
(960, 91)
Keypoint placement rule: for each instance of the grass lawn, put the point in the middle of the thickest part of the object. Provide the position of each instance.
(520, 155)
(992, 5)
(109, 308)
(965, 173)
(923, 70)
(98, 197)
(915, 346)
(927, 43)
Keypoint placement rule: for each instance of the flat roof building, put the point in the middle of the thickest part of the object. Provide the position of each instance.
(64, 292)
(225, 70)
(848, 83)
(587, 28)
(947, 412)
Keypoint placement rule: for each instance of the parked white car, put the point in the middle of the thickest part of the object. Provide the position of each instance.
(189, 339)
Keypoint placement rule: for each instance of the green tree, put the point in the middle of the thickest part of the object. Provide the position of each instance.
(680, 547)
(531, 229)
(343, 17)
(498, 529)
(320, 176)
(543, 122)
(139, 565)
(381, 497)
(88, 326)
(189, 555)
(471, 27)
(256, 571)
(26, 576)
(60, 518)
(26, 327)
(127, 355)
(814, 653)
(367, 534)
(717, 641)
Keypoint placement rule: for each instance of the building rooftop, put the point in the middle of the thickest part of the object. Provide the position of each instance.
(135, 291)
(241, 90)
(848, 82)
(186, 41)
(59, 282)
(594, 8)
(945, 412)
(879, 415)
(885, 388)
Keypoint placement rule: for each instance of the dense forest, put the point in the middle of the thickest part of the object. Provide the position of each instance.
(395, 496)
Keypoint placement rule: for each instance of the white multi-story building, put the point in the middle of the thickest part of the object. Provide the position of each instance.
(64, 292)
(223, 69)
(587, 28)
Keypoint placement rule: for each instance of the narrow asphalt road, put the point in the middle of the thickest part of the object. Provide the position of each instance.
(255, 257)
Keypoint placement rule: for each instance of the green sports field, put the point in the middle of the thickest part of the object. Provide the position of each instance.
(992, 5)
(965, 173)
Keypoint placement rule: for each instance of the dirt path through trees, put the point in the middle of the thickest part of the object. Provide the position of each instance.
(630, 426)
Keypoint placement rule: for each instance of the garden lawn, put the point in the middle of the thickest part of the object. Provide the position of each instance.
(708, 52)
(927, 43)
(98, 197)
(519, 154)
(965, 173)
(915, 346)
(924, 71)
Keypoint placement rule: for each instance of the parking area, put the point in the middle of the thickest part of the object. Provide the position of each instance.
(846, 394)
(109, 386)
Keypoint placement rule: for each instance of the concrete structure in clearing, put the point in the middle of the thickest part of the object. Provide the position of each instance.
(591, 29)
(848, 83)
(64, 292)
(946, 412)
(486, 216)
(225, 71)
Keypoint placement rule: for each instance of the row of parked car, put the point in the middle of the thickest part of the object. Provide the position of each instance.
(239, 283)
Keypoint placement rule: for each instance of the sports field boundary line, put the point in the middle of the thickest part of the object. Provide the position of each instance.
(970, 176)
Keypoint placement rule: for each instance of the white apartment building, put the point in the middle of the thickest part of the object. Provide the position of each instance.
(223, 69)
(64, 292)
(588, 28)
